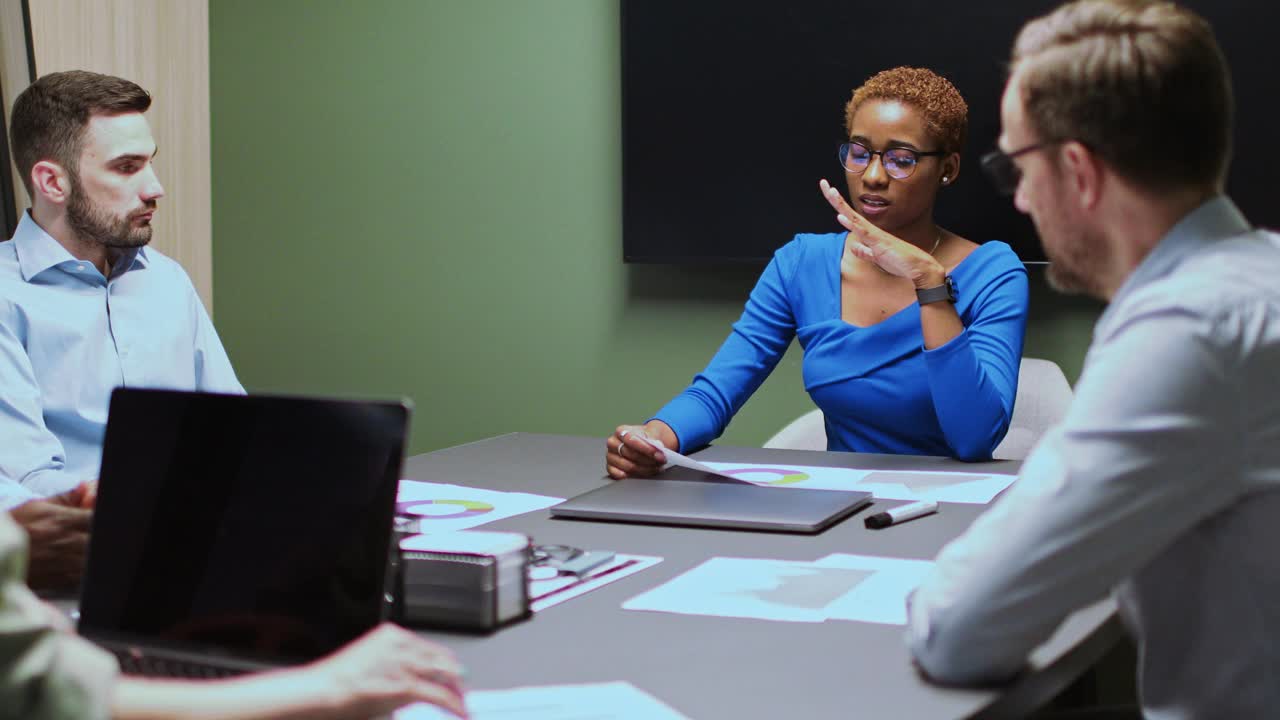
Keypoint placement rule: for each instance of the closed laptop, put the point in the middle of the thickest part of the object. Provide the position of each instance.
(714, 504)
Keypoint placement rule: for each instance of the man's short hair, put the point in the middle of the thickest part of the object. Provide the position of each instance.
(1141, 83)
(50, 117)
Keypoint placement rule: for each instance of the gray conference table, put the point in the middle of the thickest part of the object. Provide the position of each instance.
(712, 667)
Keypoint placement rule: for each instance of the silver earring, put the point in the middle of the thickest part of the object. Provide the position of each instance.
(945, 179)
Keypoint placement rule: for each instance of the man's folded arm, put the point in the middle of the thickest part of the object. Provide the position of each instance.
(1093, 503)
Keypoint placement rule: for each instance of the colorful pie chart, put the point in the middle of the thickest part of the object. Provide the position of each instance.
(769, 475)
(444, 509)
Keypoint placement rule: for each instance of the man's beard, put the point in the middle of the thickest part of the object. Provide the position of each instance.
(99, 226)
(1077, 257)
(1076, 263)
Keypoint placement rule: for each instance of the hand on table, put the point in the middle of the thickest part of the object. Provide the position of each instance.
(629, 454)
(58, 532)
(387, 668)
(891, 253)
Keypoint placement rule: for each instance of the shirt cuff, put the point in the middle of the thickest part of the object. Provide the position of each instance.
(12, 495)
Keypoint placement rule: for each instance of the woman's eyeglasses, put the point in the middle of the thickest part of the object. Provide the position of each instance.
(898, 162)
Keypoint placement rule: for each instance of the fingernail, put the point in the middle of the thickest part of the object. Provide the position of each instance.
(832, 192)
(842, 218)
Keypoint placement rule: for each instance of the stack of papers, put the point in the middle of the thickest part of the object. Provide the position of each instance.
(836, 587)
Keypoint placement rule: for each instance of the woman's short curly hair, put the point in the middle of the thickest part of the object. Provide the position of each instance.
(946, 115)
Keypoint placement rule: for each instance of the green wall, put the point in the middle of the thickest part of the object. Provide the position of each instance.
(423, 198)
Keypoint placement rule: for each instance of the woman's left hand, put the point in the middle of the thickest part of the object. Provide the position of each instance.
(893, 254)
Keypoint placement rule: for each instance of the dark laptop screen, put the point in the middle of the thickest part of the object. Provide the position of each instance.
(255, 526)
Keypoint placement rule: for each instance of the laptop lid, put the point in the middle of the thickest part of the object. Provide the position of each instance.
(249, 527)
(714, 504)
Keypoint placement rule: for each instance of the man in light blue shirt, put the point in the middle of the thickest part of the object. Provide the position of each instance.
(1162, 483)
(85, 306)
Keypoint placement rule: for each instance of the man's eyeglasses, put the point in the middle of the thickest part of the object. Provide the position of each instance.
(898, 162)
(1003, 171)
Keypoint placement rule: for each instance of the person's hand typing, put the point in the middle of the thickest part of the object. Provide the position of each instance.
(387, 668)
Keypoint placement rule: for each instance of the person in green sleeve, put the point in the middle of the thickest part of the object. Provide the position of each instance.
(48, 672)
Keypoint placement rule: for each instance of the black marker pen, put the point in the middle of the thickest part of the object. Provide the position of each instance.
(901, 514)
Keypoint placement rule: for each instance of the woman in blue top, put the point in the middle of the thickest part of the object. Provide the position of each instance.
(912, 335)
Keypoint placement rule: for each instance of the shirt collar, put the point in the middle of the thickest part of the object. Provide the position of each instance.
(37, 251)
(1217, 219)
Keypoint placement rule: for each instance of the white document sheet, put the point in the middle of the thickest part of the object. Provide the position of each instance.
(553, 591)
(599, 701)
(441, 507)
(957, 487)
(753, 588)
(677, 460)
(882, 597)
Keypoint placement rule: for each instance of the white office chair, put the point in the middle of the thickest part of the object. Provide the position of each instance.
(1042, 400)
(807, 432)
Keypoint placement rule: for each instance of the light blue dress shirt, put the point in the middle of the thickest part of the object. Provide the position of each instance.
(69, 336)
(1162, 484)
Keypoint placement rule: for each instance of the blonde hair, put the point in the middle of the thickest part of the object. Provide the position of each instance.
(1142, 83)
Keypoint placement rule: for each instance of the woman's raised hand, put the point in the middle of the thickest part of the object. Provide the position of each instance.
(891, 253)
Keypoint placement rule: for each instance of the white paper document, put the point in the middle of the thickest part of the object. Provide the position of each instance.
(838, 587)
(752, 588)
(957, 487)
(882, 597)
(599, 701)
(553, 591)
(675, 459)
(441, 507)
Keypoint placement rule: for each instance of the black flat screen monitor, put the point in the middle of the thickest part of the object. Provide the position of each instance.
(733, 109)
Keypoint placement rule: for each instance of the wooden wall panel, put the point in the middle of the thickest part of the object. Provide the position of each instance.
(15, 74)
(163, 45)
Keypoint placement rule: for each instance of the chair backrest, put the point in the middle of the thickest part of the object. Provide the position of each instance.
(807, 432)
(1042, 400)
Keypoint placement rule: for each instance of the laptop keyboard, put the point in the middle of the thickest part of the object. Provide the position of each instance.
(134, 663)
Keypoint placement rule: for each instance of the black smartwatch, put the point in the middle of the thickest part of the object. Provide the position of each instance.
(945, 291)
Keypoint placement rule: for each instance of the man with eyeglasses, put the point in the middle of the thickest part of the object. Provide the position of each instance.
(1162, 483)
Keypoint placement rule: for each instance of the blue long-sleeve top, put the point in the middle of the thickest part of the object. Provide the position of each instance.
(879, 389)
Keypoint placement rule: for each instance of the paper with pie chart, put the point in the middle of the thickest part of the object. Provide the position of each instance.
(442, 507)
(957, 487)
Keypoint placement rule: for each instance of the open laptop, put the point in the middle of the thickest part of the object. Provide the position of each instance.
(679, 496)
(236, 533)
